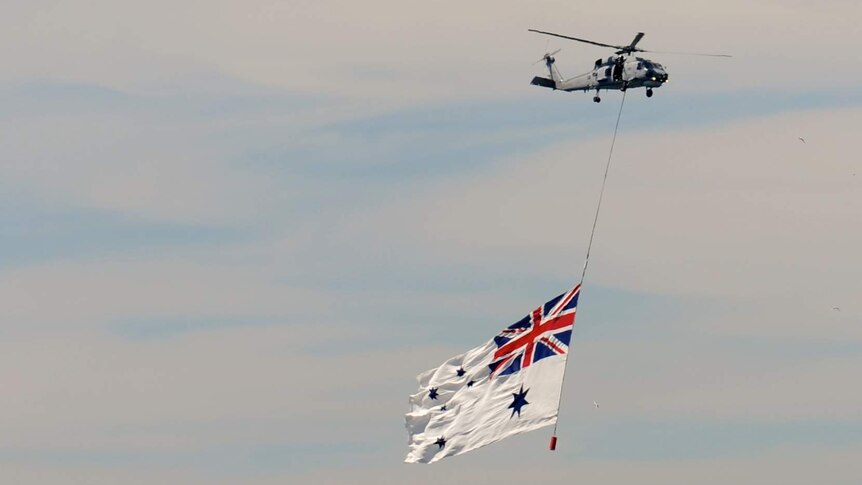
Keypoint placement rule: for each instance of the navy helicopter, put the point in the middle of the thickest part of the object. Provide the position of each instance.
(618, 72)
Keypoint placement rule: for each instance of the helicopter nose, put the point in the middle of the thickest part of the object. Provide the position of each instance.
(658, 76)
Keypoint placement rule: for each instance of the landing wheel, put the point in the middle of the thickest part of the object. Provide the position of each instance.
(649, 93)
(597, 99)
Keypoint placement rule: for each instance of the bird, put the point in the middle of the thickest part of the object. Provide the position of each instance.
(836, 308)
(801, 139)
(596, 404)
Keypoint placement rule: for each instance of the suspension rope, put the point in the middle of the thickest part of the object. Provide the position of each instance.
(602, 192)
(589, 247)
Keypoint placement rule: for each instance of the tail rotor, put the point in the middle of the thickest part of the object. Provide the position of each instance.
(548, 58)
(553, 74)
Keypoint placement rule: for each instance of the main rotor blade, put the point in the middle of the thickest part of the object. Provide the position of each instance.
(637, 39)
(688, 53)
(577, 39)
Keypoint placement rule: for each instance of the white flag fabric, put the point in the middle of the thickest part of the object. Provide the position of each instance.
(508, 386)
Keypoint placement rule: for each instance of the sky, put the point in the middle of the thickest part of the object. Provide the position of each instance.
(232, 234)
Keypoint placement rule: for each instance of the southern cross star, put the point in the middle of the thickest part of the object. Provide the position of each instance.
(520, 400)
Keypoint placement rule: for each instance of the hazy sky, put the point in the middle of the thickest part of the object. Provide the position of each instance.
(232, 233)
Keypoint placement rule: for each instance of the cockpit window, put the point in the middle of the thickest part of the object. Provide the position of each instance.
(647, 65)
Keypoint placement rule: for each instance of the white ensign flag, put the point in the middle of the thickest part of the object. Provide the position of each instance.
(508, 386)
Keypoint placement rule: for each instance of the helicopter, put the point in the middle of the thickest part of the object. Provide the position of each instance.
(618, 72)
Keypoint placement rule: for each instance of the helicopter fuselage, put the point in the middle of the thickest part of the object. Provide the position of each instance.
(634, 72)
(613, 73)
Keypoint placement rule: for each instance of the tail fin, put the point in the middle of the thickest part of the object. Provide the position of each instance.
(555, 79)
(552, 68)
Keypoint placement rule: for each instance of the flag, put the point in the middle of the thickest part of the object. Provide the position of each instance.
(508, 386)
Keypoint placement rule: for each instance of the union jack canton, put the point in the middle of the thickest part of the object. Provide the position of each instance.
(545, 332)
